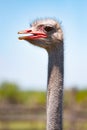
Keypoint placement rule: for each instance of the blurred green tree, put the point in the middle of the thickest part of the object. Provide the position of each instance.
(11, 93)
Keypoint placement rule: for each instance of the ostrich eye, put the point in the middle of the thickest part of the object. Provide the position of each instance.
(48, 28)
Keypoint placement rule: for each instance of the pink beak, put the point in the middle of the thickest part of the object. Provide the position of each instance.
(32, 35)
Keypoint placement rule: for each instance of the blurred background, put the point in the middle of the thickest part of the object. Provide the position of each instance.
(23, 67)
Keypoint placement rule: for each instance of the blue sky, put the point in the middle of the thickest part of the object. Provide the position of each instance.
(25, 64)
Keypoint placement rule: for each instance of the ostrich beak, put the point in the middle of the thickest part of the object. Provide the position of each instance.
(29, 35)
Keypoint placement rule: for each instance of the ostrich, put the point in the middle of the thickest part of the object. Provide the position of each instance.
(47, 33)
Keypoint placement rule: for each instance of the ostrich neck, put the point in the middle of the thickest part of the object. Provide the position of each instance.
(55, 88)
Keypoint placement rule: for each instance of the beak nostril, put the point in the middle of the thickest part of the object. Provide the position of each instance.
(28, 31)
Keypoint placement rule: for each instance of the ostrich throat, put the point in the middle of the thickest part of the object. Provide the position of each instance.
(55, 88)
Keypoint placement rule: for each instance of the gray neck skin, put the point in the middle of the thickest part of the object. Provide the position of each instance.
(55, 88)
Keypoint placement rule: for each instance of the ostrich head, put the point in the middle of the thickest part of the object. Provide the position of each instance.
(45, 33)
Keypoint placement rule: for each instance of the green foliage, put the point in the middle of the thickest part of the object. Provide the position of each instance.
(78, 96)
(10, 93)
(34, 98)
(81, 98)
(81, 95)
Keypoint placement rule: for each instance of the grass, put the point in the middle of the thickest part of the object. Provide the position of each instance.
(79, 125)
(23, 125)
(34, 99)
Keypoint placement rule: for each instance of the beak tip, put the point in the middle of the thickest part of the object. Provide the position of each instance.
(19, 38)
(19, 33)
